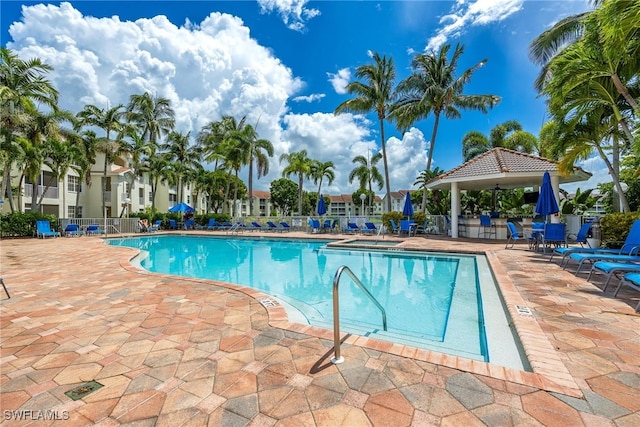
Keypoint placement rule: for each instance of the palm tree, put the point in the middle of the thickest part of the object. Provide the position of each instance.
(434, 88)
(153, 116)
(377, 94)
(22, 83)
(133, 143)
(508, 135)
(424, 177)
(109, 121)
(319, 171)
(184, 157)
(367, 173)
(84, 158)
(298, 164)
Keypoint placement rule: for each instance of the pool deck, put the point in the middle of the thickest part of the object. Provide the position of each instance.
(172, 352)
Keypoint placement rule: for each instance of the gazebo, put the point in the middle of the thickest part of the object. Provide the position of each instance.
(500, 168)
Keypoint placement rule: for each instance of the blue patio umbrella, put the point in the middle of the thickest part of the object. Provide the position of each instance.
(322, 209)
(182, 207)
(547, 204)
(408, 206)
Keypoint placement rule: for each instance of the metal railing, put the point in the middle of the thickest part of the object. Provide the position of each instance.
(336, 309)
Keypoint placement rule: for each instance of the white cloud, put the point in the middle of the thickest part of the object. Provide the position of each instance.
(600, 174)
(309, 98)
(293, 12)
(465, 14)
(406, 157)
(340, 80)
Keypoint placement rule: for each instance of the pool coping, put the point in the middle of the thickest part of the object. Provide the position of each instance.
(549, 372)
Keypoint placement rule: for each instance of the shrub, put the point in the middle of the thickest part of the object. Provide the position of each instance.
(393, 215)
(23, 224)
(615, 227)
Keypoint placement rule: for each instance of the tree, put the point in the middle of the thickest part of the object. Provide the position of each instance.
(283, 195)
(377, 94)
(367, 173)
(507, 135)
(84, 158)
(22, 83)
(133, 143)
(153, 116)
(183, 156)
(108, 120)
(319, 171)
(434, 88)
(421, 181)
(298, 164)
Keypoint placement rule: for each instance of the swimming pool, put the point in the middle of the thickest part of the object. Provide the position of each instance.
(432, 300)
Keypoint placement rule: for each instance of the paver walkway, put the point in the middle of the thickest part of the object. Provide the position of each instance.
(171, 351)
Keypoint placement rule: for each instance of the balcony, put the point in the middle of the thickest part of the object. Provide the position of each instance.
(51, 193)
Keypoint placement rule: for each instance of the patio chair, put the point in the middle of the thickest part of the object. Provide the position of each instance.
(190, 224)
(369, 228)
(213, 224)
(314, 225)
(273, 227)
(580, 238)
(72, 230)
(632, 240)
(487, 226)
(553, 236)
(582, 258)
(612, 269)
(326, 225)
(173, 224)
(630, 279)
(514, 235)
(257, 226)
(43, 229)
(394, 227)
(94, 229)
(406, 227)
(351, 228)
(155, 226)
(286, 227)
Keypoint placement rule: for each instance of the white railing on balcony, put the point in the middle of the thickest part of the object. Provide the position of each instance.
(52, 192)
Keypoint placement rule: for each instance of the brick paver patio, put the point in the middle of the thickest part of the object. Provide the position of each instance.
(172, 351)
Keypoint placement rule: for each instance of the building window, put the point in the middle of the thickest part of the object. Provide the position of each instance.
(173, 199)
(73, 184)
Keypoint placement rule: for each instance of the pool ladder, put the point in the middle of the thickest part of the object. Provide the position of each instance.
(336, 309)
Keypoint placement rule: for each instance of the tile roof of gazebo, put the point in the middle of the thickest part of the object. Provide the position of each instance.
(504, 168)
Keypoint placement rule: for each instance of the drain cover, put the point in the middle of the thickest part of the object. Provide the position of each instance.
(82, 390)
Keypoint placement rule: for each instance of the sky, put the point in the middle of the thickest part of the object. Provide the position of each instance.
(284, 64)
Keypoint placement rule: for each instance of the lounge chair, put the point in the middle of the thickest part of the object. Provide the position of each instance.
(369, 228)
(273, 227)
(93, 229)
(632, 280)
(326, 225)
(553, 236)
(190, 224)
(173, 224)
(257, 225)
(612, 269)
(580, 238)
(286, 227)
(213, 224)
(394, 228)
(351, 227)
(314, 225)
(581, 258)
(155, 226)
(73, 230)
(43, 229)
(632, 240)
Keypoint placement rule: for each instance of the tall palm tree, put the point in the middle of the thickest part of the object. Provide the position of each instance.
(108, 120)
(22, 83)
(434, 88)
(258, 151)
(298, 164)
(508, 135)
(133, 143)
(153, 115)
(84, 158)
(367, 173)
(375, 93)
(184, 156)
(319, 171)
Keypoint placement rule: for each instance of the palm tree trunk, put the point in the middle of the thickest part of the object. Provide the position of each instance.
(430, 157)
(319, 195)
(624, 204)
(250, 185)
(386, 166)
(300, 194)
(622, 90)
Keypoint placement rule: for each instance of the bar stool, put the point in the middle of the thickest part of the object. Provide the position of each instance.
(487, 227)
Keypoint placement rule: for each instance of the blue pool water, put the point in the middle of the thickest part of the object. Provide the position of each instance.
(432, 300)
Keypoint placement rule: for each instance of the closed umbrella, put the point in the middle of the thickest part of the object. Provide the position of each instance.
(182, 207)
(322, 209)
(547, 204)
(408, 206)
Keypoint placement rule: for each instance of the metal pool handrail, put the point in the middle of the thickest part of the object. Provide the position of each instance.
(336, 309)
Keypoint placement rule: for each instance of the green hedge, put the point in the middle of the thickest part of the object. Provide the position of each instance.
(615, 227)
(18, 224)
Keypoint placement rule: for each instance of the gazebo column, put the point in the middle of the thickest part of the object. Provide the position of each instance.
(555, 184)
(455, 209)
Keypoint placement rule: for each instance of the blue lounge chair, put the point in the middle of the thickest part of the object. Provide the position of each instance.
(369, 228)
(406, 227)
(93, 229)
(612, 269)
(273, 227)
(190, 224)
(155, 226)
(581, 258)
(72, 230)
(394, 227)
(43, 229)
(632, 240)
(173, 224)
(632, 280)
(314, 225)
(256, 225)
(326, 225)
(351, 227)
(286, 227)
(213, 224)
(580, 238)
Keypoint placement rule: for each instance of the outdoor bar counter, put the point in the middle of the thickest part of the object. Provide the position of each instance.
(469, 225)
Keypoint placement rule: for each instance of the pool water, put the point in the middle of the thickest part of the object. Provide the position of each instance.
(432, 300)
